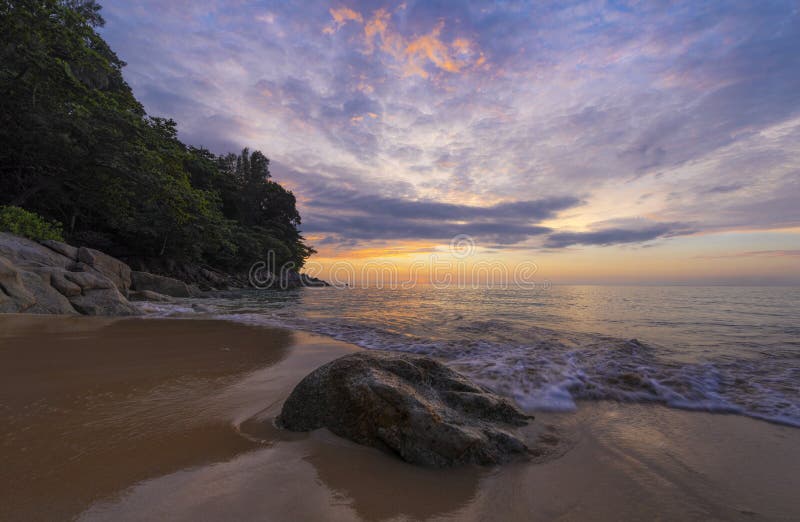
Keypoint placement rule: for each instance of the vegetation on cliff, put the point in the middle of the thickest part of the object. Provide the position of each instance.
(76, 147)
(20, 222)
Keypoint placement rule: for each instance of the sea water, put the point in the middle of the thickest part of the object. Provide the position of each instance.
(722, 349)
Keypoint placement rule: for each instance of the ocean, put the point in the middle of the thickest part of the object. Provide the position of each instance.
(720, 349)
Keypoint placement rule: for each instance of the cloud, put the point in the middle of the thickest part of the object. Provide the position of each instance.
(414, 53)
(682, 113)
(616, 236)
(354, 216)
(755, 253)
(372, 227)
(724, 189)
(524, 211)
(342, 15)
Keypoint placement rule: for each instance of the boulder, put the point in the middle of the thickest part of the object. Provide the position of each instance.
(89, 280)
(14, 297)
(24, 252)
(147, 295)
(48, 300)
(56, 278)
(61, 248)
(112, 268)
(103, 301)
(408, 404)
(159, 284)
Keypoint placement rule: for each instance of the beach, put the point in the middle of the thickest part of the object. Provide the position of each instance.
(399, 261)
(131, 419)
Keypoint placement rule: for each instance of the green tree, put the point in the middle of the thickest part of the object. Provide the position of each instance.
(77, 147)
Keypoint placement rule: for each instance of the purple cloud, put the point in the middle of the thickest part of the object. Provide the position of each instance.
(382, 119)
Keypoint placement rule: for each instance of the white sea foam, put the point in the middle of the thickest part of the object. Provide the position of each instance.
(541, 368)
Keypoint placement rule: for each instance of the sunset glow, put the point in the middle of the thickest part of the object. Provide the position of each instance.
(614, 142)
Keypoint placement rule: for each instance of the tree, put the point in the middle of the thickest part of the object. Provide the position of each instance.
(78, 148)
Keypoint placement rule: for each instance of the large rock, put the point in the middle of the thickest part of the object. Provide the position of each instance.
(112, 268)
(408, 404)
(48, 299)
(103, 301)
(147, 295)
(24, 252)
(56, 278)
(89, 280)
(62, 248)
(14, 297)
(93, 261)
(160, 284)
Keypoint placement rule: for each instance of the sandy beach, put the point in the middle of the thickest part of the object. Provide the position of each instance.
(155, 419)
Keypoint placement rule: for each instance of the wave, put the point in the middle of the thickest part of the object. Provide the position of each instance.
(548, 370)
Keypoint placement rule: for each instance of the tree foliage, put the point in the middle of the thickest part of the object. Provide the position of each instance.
(77, 147)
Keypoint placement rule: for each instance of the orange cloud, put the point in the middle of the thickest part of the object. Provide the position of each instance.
(755, 253)
(341, 16)
(414, 54)
(378, 27)
(431, 47)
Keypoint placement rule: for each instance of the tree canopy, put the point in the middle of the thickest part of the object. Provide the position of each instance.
(78, 148)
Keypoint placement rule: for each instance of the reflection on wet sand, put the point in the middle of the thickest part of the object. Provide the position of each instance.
(90, 406)
(629, 462)
(312, 477)
(170, 420)
(398, 490)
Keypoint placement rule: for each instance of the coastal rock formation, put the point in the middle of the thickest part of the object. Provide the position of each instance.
(147, 295)
(408, 404)
(51, 277)
(112, 268)
(13, 294)
(56, 278)
(24, 252)
(47, 298)
(144, 281)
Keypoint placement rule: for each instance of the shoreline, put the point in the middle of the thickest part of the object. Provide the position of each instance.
(137, 418)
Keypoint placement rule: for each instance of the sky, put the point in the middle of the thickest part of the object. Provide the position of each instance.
(601, 141)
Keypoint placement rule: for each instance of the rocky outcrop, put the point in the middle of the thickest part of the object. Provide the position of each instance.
(48, 299)
(144, 281)
(81, 259)
(13, 294)
(198, 277)
(103, 302)
(201, 278)
(112, 268)
(56, 278)
(26, 253)
(51, 277)
(62, 248)
(147, 295)
(411, 405)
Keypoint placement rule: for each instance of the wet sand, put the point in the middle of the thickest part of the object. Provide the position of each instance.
(145, 419)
